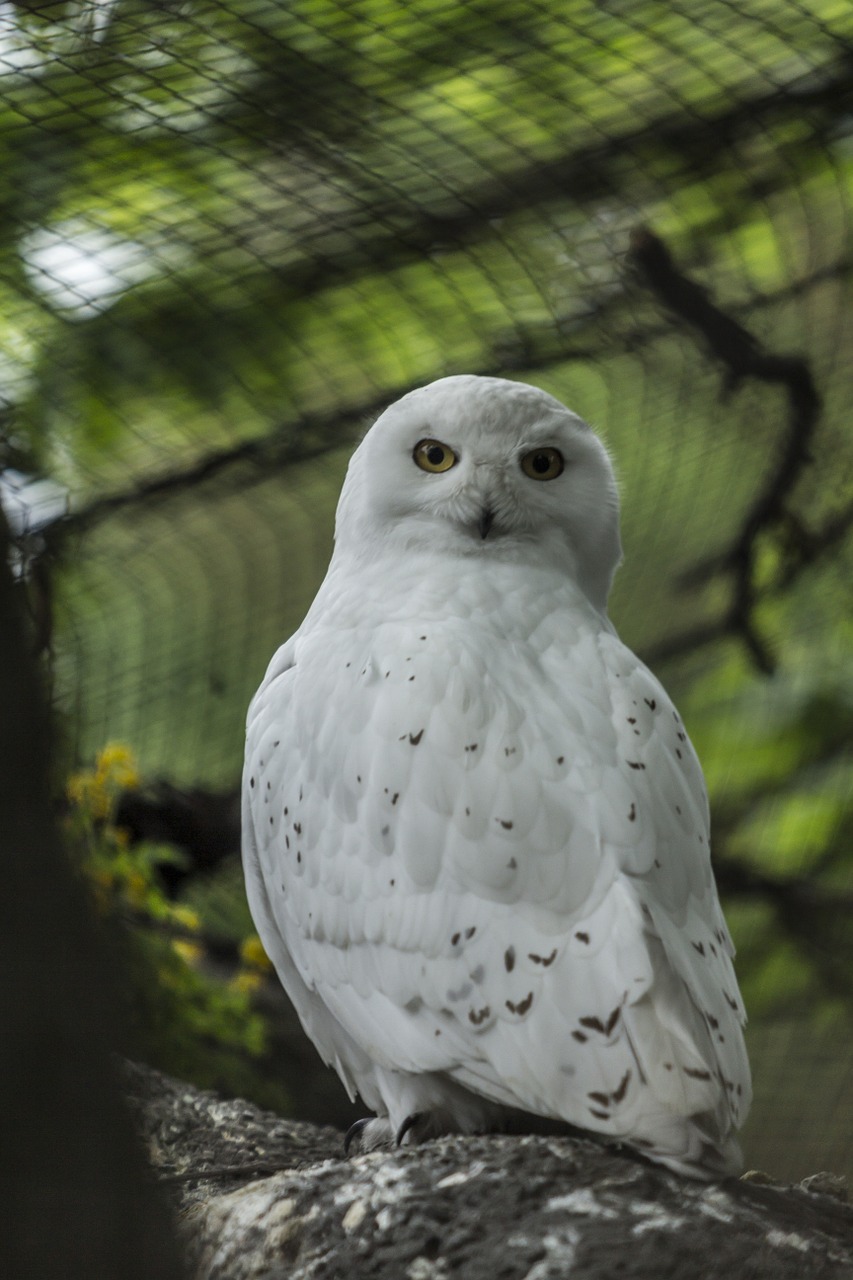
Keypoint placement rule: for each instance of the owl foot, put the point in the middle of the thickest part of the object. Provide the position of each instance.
(353, 1134)
(373, 1132)
(423, 1126)
(411, 1123)
(366, 1135)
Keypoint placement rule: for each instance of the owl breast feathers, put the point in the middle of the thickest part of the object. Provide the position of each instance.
(476, 835)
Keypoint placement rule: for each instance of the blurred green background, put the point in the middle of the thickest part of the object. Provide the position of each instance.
(232, 230)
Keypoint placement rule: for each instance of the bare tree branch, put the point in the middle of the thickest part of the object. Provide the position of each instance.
(742, 356)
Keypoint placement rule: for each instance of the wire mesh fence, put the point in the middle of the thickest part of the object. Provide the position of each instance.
(230, 233)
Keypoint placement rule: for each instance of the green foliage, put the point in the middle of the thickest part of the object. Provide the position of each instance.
(223, 166)
(183, 1013)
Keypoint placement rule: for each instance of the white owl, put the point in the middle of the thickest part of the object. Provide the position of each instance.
(475, 831)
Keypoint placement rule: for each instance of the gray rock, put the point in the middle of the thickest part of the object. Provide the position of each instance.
(536, 1208)
(201, 1144)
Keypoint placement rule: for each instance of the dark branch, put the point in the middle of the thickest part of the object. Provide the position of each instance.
(536, 348)
(590, 173)
(260, 452)
(742, 357)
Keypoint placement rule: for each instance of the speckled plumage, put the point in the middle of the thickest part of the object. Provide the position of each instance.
(475, 832)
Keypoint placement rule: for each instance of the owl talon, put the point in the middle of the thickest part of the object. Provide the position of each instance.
(409, 1123)
(370, 1134)
(353, 1132)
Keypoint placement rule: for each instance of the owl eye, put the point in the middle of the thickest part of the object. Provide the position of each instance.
(432, 455)
(542, 464)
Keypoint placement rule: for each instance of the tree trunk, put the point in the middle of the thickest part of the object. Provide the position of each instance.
(76, 1201)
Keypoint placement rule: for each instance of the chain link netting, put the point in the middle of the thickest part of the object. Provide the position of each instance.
(230, 233)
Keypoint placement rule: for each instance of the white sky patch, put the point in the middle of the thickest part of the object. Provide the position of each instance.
(17, 51)
(16, 374)
(32, 47)
(29, 504)
(80, 268)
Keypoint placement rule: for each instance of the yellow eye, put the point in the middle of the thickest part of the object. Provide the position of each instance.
(432, 455)
(542, 464)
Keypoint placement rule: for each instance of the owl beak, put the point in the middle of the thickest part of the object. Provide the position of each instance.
(487, 519)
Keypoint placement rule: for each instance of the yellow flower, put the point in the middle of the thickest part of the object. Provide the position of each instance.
(78, 786)
(187, 917)
(246, 982)
(99, 802)
(252, 953)
(190, 952)
(137, 889)
(116, 763)
(114, 753)
(87, 791)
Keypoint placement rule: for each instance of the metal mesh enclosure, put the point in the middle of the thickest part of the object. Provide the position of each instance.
(231, 232)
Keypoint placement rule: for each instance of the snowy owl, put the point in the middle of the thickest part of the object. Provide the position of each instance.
(475, 831)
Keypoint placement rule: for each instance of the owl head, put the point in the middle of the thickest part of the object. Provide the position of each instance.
(484, 469)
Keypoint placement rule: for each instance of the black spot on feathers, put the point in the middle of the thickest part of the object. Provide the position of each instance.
(622, 1089)
(522, 1006)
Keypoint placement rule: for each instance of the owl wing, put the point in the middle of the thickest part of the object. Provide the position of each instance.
(496, 868)
(270, 746)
